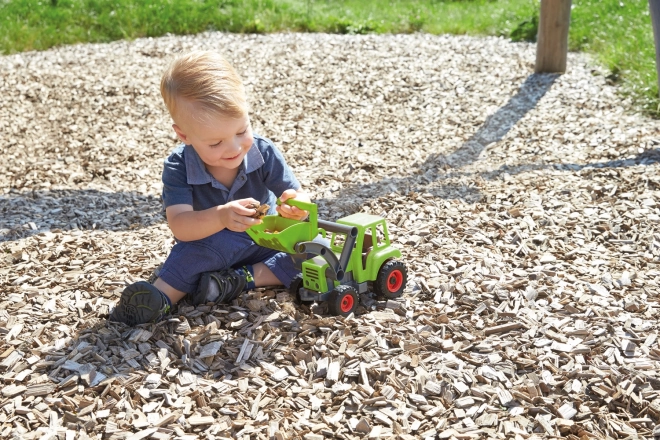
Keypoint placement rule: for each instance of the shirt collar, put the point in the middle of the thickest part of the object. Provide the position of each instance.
(253, 159)
(196, 173)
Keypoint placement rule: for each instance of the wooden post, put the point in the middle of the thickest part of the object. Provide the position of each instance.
(552, 41)
(654, 7)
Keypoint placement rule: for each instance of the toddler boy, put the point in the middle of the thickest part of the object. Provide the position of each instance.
(208, 185)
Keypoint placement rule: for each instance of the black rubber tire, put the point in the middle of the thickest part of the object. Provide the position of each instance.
(391, 279)
(343, 300)
(294, 289)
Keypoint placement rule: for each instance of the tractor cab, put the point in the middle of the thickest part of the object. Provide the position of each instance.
(372, 246)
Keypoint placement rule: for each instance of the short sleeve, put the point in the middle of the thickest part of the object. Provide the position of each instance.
(176, 190)
(277, 174)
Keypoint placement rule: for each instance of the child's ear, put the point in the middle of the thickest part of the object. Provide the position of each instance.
(180, 133)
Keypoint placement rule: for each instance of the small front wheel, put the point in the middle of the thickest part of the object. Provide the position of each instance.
(294, 288)
(296, 284)
(343, 300)
(391, 279)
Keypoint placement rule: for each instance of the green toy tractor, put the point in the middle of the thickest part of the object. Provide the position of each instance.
(359, 257)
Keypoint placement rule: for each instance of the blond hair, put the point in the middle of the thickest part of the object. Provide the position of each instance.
(206, 80)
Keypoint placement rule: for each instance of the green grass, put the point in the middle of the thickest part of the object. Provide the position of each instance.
(617, 32)
(620, 34)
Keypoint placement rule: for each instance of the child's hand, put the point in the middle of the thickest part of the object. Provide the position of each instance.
(236, 217)
(292, 211)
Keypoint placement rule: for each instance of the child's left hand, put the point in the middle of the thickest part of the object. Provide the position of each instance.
(293, 212)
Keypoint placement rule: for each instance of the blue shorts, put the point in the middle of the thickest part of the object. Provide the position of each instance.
(189, 260)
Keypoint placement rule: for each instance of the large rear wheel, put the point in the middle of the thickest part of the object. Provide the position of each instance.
(391, 279)
(343, 300)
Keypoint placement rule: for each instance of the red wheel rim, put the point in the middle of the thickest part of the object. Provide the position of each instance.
(394, 281)
(346, 304)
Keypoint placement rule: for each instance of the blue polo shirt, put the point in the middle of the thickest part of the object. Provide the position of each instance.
(263, 175)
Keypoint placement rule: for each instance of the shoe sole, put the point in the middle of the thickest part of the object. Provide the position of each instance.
(128, 294)
(139, 288)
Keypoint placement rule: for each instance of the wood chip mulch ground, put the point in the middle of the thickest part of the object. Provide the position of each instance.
(526, 207)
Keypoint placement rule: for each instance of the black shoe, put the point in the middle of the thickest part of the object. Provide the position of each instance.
(219, 287)
(140, 303)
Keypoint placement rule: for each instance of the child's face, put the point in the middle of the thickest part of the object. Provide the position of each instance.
(221, 142)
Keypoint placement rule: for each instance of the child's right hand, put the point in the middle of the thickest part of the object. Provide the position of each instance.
(236, 217)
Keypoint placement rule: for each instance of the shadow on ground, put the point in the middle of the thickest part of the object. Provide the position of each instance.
(493, 130)
(499, 123)
(27, 213)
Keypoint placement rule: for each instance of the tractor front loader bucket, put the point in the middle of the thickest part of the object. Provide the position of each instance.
(282, 234)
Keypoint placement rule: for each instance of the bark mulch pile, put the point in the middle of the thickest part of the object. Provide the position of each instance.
(526, 208)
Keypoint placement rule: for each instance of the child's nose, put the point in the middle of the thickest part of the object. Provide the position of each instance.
(245, 142)
(238, 145)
